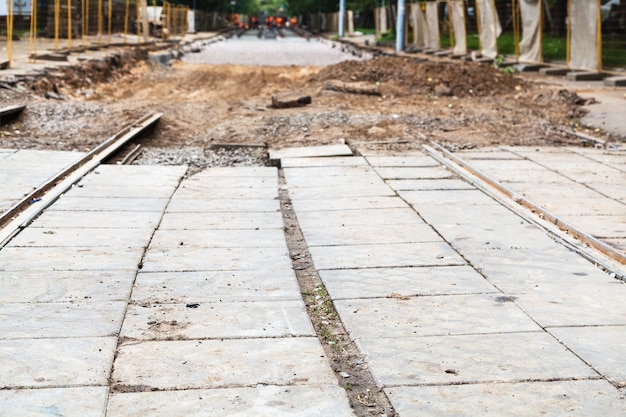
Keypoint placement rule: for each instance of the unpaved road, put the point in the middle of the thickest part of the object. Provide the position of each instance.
(457, 104)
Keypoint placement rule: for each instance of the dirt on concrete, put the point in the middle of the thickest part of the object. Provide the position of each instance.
(457, 104)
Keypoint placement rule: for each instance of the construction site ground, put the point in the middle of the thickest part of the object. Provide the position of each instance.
(361, 278)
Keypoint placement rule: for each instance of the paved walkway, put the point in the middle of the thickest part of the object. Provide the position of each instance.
(142, 292)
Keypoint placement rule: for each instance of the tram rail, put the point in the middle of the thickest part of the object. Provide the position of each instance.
(21, 214)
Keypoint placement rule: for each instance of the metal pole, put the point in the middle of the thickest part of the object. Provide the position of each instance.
(342, 17)
(400, 27)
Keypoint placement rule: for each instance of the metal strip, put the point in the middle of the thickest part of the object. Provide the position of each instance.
(24, 212)
(572, 231)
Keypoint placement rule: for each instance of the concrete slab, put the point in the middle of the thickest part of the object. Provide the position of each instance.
(262, 400)
(374, 234)
(347, 203)
(310, 151)
(600, 226)
(329, 161)
(80, 238)
(223, 320)
(584, 76)
(82, 401)
(441, 197)
(222, 220)
(201, 183)
(247, 238)
(81, 319)
(349, 218)
(117, 191)
(270, 172)
(400, 173)
(65, 286)
(207, 193)
(447, 184)
(68, 203)
(213, 259)
(135, 175)
(299, 178)
(67, 362)
(221, 363)
(507, 357)
(267, 283)
(355, 172)
(388, 255)
(404, 282)
(574, 398)
(432, 316)
(615, 81)
(554, 72)
(194, 205)
(69, 259)
(601, 347)
(569, 301)
(402, 161)
(342, 191)
(98, 219)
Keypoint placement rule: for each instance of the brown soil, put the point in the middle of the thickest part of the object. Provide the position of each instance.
(457, 104)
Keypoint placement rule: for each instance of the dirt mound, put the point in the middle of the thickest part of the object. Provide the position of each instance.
(412, 76)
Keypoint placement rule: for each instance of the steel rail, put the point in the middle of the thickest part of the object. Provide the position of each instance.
(26, 210)
(11, 112)
(574, 236)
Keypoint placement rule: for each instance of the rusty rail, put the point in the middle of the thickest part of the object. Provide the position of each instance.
(575, 236)
(26, 210)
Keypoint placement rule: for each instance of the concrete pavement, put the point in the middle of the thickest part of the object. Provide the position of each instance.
(143, 292)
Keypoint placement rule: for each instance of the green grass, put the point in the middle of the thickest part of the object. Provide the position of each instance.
(366, 31)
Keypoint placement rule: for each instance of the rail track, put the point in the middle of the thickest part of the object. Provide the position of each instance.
(21, 214)
(569, 234)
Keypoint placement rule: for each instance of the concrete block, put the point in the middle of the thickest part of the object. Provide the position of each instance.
(615, 81)
(258, 401)
(555, 72)
(227, 320)
(40, 363)
(65, 286)
(445, 360)
(350, 218)
(368, 234)
(80, 401)
(302, 205)
(310, 151)
(217, 286)
(222, 363)
(404, 282)
(584, 76)
(579, 398)
(602, 347)
(389, 255)
(402, 317)
(44, 320)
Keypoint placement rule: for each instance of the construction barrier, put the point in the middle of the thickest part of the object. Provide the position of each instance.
(584, 35)
(488, 27)
(456, 27)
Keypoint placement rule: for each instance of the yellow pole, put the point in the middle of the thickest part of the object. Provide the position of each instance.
(137, 7)
(599, 37)
(515, 28)
(10, 32)
(82, 23)
(568, 41)
(480, 43)
(69, 24)
(126, 20)
(57, 12)
(110, 19)
(32, 45)
(99, 23)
